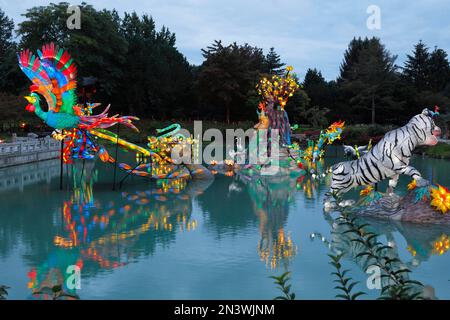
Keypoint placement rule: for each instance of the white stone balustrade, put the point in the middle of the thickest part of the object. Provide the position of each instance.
(26, 150)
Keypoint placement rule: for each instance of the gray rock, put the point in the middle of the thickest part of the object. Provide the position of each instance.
(405, 209)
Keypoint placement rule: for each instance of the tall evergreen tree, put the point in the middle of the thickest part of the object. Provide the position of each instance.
(322, 95)
(136, 79)
(316, 87)
(6, 33)
(351, 56)
(273, 61)
(371, 80)
(158, 78)
(9, 79)
(417, 67)
(439, 70)
(427, 76)
(313, 77)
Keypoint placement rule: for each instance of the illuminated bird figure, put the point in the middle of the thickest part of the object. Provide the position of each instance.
(332, 133)
(53, 75)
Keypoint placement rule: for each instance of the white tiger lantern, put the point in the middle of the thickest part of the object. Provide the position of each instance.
(389, 158)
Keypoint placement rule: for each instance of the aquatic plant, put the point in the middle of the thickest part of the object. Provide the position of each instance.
(282, 284)
(345, 283)
(398, 285)
(400, 292)
(56, 293)
(3, 292)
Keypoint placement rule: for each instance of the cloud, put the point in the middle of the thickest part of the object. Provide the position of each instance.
(306, 33)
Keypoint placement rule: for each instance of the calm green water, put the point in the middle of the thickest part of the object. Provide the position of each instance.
(211, 240)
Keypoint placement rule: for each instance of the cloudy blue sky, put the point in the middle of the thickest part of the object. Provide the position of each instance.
(306, 33)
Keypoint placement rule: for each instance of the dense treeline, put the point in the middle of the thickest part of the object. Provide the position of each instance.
(141, 72)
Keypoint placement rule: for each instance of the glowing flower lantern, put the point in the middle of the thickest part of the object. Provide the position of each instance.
(275, 93)
(365, 192)
(412, 185)
(213, 162)
(440, 198)
(229, 162)
(278, 88)
(229, 173)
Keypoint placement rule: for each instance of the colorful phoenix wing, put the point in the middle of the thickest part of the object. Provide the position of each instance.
(53, 75)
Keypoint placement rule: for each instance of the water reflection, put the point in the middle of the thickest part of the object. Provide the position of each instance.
(422, 241)
(252, 221)
(271, 199)
(98, 234)
(18, 177)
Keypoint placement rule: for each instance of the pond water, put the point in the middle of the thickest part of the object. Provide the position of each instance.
(218, 239)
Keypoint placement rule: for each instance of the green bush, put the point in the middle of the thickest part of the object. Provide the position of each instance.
(441, 150)
(147, 127)
(360, 134)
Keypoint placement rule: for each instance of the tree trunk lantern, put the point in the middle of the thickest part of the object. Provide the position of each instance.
(275, 93)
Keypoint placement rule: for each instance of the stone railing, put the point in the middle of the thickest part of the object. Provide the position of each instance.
(26, 150)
